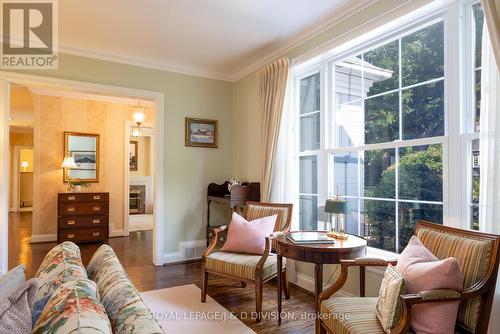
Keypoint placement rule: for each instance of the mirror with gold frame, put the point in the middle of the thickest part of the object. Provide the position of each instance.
(84, 148)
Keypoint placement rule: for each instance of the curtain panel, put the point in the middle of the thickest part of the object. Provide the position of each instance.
(272, 88)
(492, 16)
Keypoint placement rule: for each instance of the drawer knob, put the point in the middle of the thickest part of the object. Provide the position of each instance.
(71, 209)
(96, 221)
(71, 222)
(96, 234)
(97, 197)
(71, 236)
(96, 208)
(71, 198)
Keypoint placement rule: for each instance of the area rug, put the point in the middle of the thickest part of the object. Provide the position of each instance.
(179, 310)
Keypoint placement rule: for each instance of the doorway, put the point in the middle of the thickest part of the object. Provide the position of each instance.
(9, 81)
(139, 209)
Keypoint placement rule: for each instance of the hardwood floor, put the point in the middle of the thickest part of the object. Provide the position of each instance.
(135, 254)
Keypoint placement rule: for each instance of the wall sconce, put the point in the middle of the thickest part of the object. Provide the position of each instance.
(24, 165)
(138, 116)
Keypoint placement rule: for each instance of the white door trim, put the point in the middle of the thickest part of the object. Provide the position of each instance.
(8, 78)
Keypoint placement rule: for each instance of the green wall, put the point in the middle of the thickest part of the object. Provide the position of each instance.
(188, 170)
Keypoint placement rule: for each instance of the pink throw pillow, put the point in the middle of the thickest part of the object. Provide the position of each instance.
(248, 237)
(424, 272)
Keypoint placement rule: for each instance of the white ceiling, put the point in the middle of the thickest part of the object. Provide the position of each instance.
(213, 38)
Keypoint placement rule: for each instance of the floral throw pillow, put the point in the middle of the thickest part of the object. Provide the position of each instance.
(74, 308)
(389, 303)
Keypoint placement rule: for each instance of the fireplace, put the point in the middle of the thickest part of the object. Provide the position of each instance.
(137, 200)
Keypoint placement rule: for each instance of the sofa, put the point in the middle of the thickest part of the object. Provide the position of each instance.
(98, 299)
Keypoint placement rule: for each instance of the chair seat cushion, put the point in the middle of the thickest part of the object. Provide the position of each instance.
(240, 265)
(344, 315)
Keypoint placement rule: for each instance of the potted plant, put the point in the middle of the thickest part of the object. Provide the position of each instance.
(76, 185)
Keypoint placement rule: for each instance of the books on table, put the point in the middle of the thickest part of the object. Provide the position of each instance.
(310, 237)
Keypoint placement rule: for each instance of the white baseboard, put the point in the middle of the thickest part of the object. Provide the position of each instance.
(38, 238)
(307, 282)
(188, 250)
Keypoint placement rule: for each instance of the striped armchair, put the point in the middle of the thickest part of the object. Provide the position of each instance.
(478, 256)
(246, 268)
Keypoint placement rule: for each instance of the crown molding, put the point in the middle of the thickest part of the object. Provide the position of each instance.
(166, 66)
(340, 14)
(89, 96)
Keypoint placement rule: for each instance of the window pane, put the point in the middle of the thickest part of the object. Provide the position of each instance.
(410, 213)
(345, 174)
(308, 170)
(423, 111)
(349, 120)
(379, 173)
(351, 220)
(421, 173)
(381, 68)
(475, 217)
(379, 221)
(309, 132)
(422, 55)
(382, 118)
(477, 99)
(348, 85)
(475, 171)
(308, 214)
(310, 94)
(478, 31)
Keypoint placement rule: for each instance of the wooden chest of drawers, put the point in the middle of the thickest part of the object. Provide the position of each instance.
(83, 217)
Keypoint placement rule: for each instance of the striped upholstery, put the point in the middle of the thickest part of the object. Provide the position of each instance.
(255, 211)
(240, 265)
(473, 255)
(351, 315)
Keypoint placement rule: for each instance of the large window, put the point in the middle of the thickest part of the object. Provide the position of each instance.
(375, 130)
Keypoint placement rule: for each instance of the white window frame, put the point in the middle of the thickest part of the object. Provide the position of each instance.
(457, 19)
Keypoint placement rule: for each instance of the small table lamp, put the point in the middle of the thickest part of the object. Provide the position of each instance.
(341, 209)
(68, 163)
(24, 165)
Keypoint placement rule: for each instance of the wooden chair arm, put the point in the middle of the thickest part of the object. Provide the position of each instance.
(214, 242)
(374, 261)
(408, 300)
(260, 265)
(365, 261)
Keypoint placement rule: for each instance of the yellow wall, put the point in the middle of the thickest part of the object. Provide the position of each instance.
(16, 139)
(54, 116)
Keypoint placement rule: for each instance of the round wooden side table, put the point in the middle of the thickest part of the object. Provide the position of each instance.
(319, 254)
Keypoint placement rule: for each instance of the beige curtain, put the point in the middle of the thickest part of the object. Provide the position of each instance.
(272, 88)
(492, 15)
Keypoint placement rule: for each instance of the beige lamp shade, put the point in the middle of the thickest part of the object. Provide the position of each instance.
(24, 164)
(69, 162)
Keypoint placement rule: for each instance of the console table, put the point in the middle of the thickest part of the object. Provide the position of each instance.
(238, 196)
(318, 254)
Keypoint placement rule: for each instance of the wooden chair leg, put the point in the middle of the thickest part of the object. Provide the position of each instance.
(320, 329)
(204, 286)
(243, 284)
(258, 298)
(285, 284)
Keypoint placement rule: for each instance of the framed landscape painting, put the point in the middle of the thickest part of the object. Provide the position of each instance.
(201, 132)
